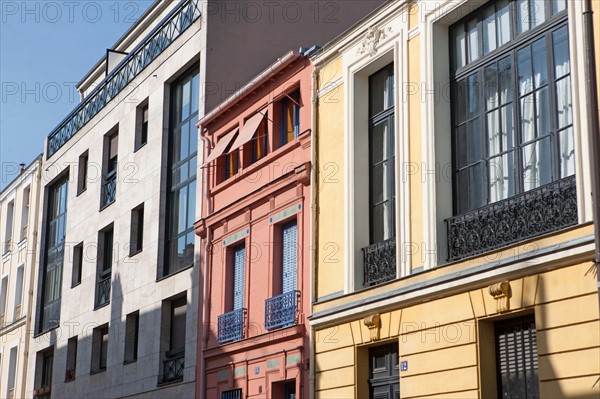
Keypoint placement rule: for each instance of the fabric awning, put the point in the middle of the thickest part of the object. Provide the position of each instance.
(248, 130)
(221, 146)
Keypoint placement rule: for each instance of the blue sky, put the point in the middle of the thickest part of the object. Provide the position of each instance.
(46, 47)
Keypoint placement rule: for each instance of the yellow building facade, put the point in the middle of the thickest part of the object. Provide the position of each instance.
(427, 283)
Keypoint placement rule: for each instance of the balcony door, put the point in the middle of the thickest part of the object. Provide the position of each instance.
(289, 235)
(239, 260)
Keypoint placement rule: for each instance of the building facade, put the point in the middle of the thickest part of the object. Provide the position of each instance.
(255, 226)
(453, 244)
(19, 203)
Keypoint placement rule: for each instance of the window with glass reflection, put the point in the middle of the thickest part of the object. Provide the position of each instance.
(183, 147)
(511, 97)
(260, 141)
(290, 126)
(382, 155)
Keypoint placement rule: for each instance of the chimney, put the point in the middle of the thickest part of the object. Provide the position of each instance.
(21, 168)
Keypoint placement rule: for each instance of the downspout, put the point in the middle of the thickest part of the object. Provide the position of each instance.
(593, 123)
(205, 299)
(313, 225)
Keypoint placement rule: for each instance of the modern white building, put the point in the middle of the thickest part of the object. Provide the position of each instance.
(19, 203)
(119, 286)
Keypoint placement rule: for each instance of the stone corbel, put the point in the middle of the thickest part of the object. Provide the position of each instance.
(303, 173)
(373, 322)
(501, 293)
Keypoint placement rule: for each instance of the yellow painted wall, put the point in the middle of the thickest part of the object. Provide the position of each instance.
(413, 17)
(330, 181)
(442, 339)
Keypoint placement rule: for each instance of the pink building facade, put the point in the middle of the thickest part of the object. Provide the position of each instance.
(255, 230)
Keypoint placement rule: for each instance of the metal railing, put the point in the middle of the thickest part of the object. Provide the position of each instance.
(282, 310)
(173, 369)
(543, 210)
(169, 29)
(231, 326)
(103, 291)
(379, 262)
(109, 191)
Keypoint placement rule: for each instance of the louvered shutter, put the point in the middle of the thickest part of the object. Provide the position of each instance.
(239, 260)
(178, 308)
(516, 357)
(290, 256)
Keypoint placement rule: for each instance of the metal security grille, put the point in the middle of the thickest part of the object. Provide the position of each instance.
(233, 394)
(516, 358)
(290, 256)
(239, 260)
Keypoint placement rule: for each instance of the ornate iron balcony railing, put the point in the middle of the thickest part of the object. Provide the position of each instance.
(282, 310)
(231, 326)
(173, 369)
(546, 209)
(103, 291)
(169, 29)
(379, 262)
(109, 191)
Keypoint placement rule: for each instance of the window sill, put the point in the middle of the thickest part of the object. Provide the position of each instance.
(174, 273)
(103, 207)
(126, 362)
(136, 149)
(39, 334)
(132, 254)
(70, 380)
(94, 372)
(81, 192)
(75, 285)
(173, 382)
(101, 306)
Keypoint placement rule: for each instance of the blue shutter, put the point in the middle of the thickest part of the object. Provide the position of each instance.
(290, 256)
(239, 260)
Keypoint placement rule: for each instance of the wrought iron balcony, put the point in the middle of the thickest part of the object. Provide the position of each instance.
(109, 191)
(544, 210)
(282, 310)
(173, 369)
(103, 291)
(169, 29)
(379, 262)
(231, 326)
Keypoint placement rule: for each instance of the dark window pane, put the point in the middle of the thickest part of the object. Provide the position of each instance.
(507, 127)
(562, 65)
(503, 22)
(558, 6)
(494, 133)
(489, 30)
(491, 87)
(184, 142)
(191, 207)
(379, 144)
(543, 111)
(537, 164)
(378, 183)
(461, 101)
(564, 103)
(460, 47)
(382, 228)
(540, 63)
(381, 90)
(195, 90)
(537, 9)
(185, 103)
(473, 40)
(181, 217)
(501, 177)
(505, 80)
(473, 96)
(524, 70)
(527, 118)
(523, 16)
(567, 153)
(471, 192)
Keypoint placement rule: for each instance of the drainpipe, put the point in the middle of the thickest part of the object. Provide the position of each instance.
(205, 299)
(593, 126)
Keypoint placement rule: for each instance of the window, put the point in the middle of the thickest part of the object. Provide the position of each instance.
(290, 118)
(260, 141)
(231, 164)
(99, 348)
(132, 328)
(238, 268)
(3, 299)
(111, 156)
(12, 372)
(9, 226)
(25, 213)
(512, 114)
(517, 358)
(43, 373)
(77, 265)
(82, 174)
(71, 359)
(18, 293)
(232, 394)
(181, 202)
(231, 323)
(55, 247)
(136, 239)
(104, 266)
(173, 363)
(141, 125)
(384, 373)
(284, 389)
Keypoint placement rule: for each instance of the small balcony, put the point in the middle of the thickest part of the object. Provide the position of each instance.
(231, 326)
(109, 191)
(379, 262)
(282, 310)
(537, 212)
(103, 289)
(173, 369)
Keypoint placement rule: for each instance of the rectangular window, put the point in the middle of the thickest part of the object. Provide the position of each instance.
(132, 327)
(12, 372)
(18, 293)
(109, 180)
(43, 373)
(174, 324)
(177, 336)
(512, 113)
(71, 359)
(136, 238)
(238, 270)
(25, 214)
(260, 141)
(290, 118)
(82, 174)
(141, 125)
(104, 266)
(77, 265)
(99, 348)
(183, 148)
(9, 227)
(231, 164)
(3, 300)
(289, 256)
(517, 358)
(55, 246)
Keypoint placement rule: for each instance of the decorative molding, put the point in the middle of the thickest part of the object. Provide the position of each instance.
(501, 293)
(371, 40)
(373, 322)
